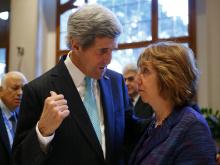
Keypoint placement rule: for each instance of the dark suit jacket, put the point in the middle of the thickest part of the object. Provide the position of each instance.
(5, 149)
(143, 110)
(75, 141)
(183, 139)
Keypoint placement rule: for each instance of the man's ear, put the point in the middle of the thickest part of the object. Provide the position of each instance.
(75, 45)
(1, 91)
(1, 88)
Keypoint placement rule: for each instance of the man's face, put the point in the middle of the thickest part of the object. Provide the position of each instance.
(130, 80)
(12, 92)
(93, 61)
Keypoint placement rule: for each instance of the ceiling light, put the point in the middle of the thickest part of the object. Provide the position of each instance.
(4, 15)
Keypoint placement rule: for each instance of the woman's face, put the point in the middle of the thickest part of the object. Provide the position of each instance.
(148, 87)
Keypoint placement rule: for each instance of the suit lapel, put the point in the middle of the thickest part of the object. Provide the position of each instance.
(108, 111)
(4, 134)
(64, 85)
(158, 136)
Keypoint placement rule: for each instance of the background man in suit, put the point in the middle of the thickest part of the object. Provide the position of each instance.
(59, 124)
(10, 96)
(141, 109)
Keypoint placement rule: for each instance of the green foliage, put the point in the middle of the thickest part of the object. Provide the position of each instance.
(213, 119)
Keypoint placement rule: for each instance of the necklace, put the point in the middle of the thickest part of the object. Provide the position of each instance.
(159, 123)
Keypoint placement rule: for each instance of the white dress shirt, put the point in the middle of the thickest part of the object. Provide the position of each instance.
(78, 79)
(135, 100)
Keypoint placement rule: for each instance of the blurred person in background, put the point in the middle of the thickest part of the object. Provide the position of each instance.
(10, 98)
(141, 109)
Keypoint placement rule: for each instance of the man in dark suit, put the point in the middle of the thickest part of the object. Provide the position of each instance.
(56, 125)
(10, 92)
(141, 109)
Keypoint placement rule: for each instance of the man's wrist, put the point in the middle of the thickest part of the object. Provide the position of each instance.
(43, 140)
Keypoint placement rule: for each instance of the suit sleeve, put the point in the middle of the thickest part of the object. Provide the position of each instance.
(26, 148)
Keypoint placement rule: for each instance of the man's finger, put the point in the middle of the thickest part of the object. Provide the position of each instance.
(52, 93)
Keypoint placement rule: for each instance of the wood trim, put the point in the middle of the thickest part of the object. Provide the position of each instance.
(154, 24)
(146, 43)
(4, 39)
(192, 24)
(64, 7)
(58, 31)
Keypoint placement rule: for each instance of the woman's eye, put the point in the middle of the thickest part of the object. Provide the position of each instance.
(145, 70)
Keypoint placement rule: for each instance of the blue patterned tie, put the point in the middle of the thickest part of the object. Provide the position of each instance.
(91, 107)
(14, 124)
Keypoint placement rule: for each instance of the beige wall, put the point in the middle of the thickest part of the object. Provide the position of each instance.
(39, 42)
(23, 29)
(32, 26)
(208, 52)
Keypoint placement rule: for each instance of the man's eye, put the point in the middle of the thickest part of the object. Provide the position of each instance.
(15, 88)
(130, 78)
(103, 50)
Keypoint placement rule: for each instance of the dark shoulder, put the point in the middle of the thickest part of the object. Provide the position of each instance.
(41, 86)
(43, 79)
(192, 117)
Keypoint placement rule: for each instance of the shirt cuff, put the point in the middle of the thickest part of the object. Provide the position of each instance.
(44, 141)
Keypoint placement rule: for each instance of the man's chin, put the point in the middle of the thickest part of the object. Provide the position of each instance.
(17, 104)
(100, 74)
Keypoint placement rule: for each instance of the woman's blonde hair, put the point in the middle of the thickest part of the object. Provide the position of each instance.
(176, 69)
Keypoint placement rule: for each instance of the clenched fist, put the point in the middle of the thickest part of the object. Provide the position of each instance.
(54, 112)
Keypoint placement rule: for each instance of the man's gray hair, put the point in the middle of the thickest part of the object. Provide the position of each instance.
(3, 83)
(89, 22)
(130, 67)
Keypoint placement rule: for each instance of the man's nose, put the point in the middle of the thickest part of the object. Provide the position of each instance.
(19, 91)
(126, 81)
(108, 57)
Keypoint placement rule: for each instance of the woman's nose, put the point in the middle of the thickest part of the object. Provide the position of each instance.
(138, 79)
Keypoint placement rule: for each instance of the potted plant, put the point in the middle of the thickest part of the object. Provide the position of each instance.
(213, 119)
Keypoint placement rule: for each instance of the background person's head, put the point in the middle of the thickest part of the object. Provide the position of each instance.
(92, 35)
(11, 89)
(176, 71)
(129, 73)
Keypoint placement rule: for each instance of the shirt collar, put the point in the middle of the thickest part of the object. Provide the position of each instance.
(73, 70)
(136, 99)
(5, 110)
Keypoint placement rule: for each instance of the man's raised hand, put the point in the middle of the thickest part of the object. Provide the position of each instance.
(54, 112)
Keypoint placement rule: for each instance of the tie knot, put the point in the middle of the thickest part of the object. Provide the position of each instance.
(12, 118)
(88, 79)
(88, 82)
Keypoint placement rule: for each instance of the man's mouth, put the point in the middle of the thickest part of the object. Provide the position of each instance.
(103, 68)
